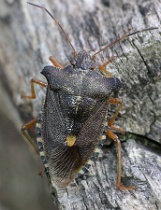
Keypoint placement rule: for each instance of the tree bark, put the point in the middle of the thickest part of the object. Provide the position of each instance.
(29, 37)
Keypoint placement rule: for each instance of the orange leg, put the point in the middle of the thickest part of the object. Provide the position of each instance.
(26, 127)
(111, 121)
(119, 164)
(33, 94)
(42, 169)
(34, 121)
(55, 62)
(102, 67)
(117, 128)
(23, 130)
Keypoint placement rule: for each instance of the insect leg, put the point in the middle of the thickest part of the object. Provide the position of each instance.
(23, 130)
(119, 162)
(26, 127)
(103, 69)
(42, 169)
(55, 62)
(33, 94)
(111, 121)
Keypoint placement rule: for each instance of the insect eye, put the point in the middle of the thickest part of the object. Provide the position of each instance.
(73, 63)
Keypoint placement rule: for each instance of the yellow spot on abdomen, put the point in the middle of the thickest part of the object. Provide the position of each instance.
(70, 140)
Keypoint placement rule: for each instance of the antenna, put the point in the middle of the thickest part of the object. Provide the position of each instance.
(57, 22)
(123, 38)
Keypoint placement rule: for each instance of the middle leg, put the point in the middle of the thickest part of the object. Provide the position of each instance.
(113, 118)
(114, 137)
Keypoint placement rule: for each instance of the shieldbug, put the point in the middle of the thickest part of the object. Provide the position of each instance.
(73, 124)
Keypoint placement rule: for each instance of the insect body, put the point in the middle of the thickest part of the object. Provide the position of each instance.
(73, 121)
(75, 110)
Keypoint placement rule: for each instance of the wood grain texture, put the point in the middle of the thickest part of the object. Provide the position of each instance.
(29, 37)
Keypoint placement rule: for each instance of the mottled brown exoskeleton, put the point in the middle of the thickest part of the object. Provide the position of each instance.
(72, 124)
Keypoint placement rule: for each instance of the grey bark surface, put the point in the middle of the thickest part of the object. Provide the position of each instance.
(29, 37)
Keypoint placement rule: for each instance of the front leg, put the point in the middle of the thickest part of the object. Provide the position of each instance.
(102, 66)
(33, 94)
